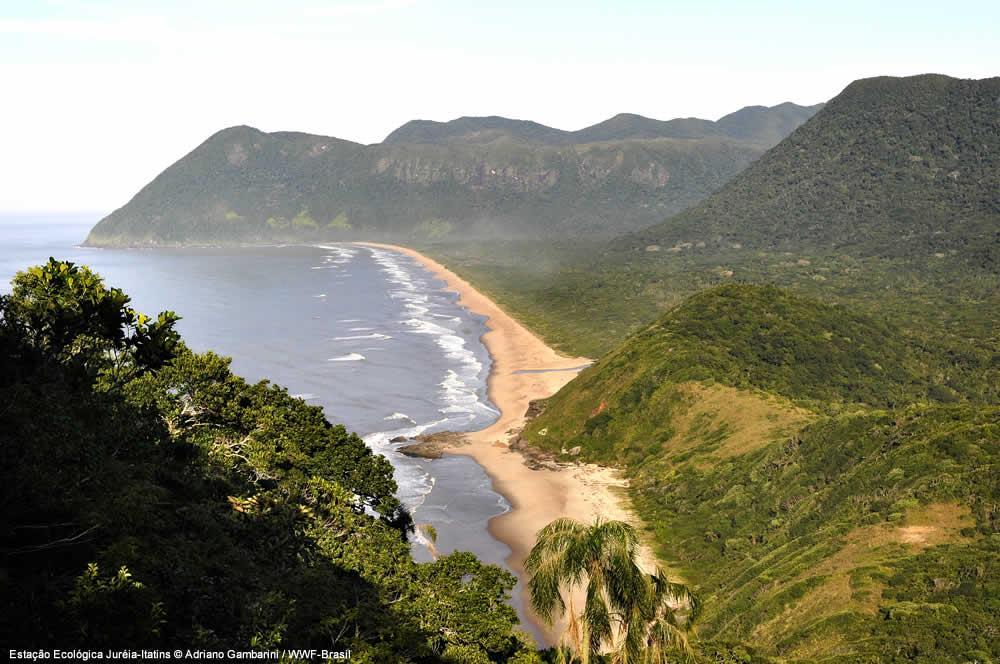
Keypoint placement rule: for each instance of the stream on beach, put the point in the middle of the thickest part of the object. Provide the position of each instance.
(366, 333)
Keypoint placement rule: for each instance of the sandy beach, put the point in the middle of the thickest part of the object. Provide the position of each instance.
(580, 491)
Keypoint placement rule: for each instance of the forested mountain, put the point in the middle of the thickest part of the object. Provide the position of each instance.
(824, 483)
(154, 499)
(890, 166)
(457, 181)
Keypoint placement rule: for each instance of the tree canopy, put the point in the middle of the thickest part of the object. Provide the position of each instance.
(151, 497)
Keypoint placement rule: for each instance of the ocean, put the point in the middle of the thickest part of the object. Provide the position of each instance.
(367, 334)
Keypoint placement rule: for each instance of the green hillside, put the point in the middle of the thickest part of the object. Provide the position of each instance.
(889, 167)
(824, 482)
(473, 178)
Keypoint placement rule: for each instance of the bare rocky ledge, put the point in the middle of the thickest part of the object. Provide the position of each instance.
(432, 445)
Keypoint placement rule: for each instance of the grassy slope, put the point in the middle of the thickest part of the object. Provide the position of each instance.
(767, 442)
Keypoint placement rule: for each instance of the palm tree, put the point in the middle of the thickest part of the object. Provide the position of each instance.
(625, 609)
(660, 625)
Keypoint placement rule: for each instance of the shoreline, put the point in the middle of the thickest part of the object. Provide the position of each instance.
(523, 369)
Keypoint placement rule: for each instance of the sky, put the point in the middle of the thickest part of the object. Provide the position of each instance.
(98, 96)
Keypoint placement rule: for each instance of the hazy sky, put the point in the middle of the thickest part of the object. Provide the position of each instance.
(98, 97)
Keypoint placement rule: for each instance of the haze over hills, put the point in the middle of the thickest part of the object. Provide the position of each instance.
(887, 198)
(469, 178)
(758, 124)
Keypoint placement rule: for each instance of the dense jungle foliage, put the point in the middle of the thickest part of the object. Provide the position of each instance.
(825, 484)
(151, 498)
(889, 167)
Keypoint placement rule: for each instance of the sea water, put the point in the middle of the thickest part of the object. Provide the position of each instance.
(367, 334)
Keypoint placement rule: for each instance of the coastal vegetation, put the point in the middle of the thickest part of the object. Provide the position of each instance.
(798, 376)
(151, 497)
(824, 484)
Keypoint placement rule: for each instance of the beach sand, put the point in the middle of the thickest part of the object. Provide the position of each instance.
(580, 491)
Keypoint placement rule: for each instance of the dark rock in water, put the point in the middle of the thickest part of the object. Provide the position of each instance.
(421, 451)
(432, 445)
(398, 439)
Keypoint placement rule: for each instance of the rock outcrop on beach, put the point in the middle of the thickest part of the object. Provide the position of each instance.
(472, 177)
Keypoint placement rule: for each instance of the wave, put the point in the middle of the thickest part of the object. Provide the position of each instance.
(461, 397)
(373, 335)
(339, 250)
(399, 416)
(413, 481)
(462, 388)
(421, 326)
(351, 357)
(305, 396)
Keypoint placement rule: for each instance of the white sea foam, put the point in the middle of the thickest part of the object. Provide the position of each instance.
(350, 357)
(421, 326)
(373, 335)
(460, 393)
(305, 396)
(399, 416)
(413, 481)
(339, 250)
(417, 309)
(381, 440)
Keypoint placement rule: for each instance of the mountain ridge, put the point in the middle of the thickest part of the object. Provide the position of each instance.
(245, 186)
(622, 126)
